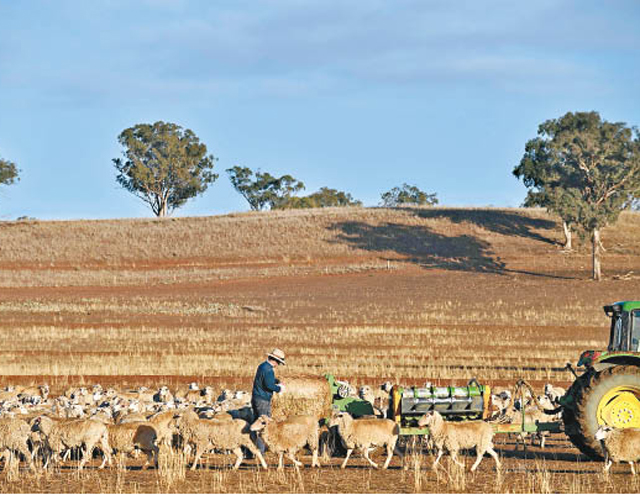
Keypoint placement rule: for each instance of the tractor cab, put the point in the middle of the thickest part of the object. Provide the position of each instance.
(625, 326)
(624, 338)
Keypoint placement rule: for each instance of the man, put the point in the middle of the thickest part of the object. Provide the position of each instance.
(265, 384)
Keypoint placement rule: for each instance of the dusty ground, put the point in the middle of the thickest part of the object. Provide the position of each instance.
(367, 294)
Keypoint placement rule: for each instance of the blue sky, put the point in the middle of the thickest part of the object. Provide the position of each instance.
(356, 95)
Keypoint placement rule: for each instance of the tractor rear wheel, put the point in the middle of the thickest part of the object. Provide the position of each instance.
(610, 397)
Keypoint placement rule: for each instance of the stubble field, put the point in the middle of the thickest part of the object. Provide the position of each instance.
(369, 295)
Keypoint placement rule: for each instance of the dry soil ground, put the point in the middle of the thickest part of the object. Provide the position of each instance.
(367, 294)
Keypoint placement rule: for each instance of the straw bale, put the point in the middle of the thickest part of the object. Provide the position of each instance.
(308, 396)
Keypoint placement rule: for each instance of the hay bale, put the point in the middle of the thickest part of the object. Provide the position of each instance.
(310, 396)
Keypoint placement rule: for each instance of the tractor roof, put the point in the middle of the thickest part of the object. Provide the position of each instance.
(622, 306)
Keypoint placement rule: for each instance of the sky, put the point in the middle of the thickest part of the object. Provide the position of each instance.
(359, 96)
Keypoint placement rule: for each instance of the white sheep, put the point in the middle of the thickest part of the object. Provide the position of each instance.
(129, 437)
(366, 435)
(207, 435)
(455, 436)
(14, 434)
(289, 436)
(554, 393)
(61, 435)
(619, 445)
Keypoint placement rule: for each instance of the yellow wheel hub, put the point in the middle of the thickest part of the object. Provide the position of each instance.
(620, 408)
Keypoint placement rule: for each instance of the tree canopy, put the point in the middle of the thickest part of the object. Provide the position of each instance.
(164, 165)
(261, 189)
(585, 169)
(8, 172)
(323, 198)
(407, 195)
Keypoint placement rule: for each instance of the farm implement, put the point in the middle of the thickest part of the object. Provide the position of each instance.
(607, 392)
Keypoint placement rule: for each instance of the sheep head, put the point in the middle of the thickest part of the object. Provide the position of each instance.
(260, 423)
(603, 432)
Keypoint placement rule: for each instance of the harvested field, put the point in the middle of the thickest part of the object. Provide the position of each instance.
(370, 295)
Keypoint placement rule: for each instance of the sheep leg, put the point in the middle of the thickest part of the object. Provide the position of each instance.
(495, 456)
(257, 454)
(314, 458)
(293, 459)
(280, 461)
(24, 450)
(633, 470)
(454, 458)
(607, 465)
(479, 456)
(389, 456)
(238, 452)
(435, 463)
(344, 464)
(199, 452)
(87, 455)
(365, 453)
(106, 451)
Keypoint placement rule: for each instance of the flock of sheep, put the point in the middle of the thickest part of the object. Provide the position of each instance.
(197, 421)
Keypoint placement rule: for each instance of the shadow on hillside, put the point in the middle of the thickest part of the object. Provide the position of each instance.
(429, 249)
(498, 221)
(421, 246)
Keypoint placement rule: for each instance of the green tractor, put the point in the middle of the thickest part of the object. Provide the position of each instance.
(608, 392)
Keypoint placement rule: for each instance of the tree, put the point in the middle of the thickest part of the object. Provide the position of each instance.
(8, 172)
(585, 169)
(407, 195)
(323, 198)
(164, 165)
(261, 189)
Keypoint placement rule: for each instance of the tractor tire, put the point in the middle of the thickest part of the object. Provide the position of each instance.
(588, 391)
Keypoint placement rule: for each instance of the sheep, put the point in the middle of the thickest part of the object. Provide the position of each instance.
(126, 438)
(378, 398)
(162, 423)
(289, 436)
(554, 393)
(619, 445)
(214, 434)
(14, 434)
(365, 435)
(62, 435)
(34, 395)
(456, 436)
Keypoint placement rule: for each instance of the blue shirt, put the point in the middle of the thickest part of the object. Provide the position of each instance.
(265, 382)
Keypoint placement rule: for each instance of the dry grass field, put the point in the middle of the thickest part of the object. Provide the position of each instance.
(370, 295)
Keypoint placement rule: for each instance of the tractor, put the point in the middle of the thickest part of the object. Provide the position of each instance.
(608, 392)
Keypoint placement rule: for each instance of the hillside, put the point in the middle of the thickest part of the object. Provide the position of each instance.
(332, 240)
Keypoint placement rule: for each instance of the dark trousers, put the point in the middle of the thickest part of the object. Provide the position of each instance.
(261, 407)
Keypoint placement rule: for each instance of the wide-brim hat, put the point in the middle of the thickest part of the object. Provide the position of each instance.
(277, 355)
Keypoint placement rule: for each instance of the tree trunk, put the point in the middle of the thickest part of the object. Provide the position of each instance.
(597, 275)
(567, 236)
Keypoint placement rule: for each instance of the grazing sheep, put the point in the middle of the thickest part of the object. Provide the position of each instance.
(206, 435)
(365, 435)
(14, 434)
(289, 436)
(61, 435)
(456, 436)
(619, 445)
(129, 437)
